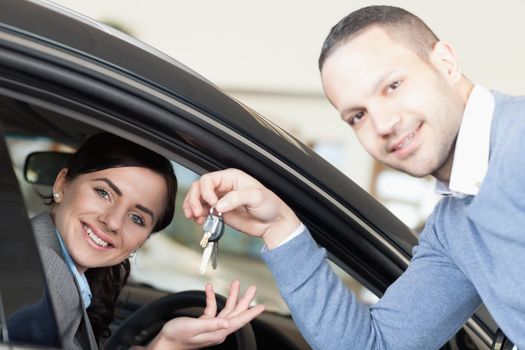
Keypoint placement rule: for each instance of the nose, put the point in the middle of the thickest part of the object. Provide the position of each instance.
(384, 119)
(111, 218)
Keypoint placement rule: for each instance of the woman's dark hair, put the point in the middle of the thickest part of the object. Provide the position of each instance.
(105, 151)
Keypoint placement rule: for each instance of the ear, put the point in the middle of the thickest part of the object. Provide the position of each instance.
(60, 185)
(444, 59)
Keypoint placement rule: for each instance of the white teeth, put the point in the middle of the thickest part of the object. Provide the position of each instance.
(95, 238)
(407, 140)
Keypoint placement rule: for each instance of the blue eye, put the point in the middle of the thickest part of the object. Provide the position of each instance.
(136, 219)
(102, 193)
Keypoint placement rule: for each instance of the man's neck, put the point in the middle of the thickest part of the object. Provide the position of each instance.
(464, 88)
(443, 173)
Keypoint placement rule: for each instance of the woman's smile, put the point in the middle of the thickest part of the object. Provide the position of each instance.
(95, 238)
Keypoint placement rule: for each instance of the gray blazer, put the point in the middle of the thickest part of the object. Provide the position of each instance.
(72, 319)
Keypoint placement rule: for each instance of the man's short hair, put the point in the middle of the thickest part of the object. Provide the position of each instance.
(400, 24)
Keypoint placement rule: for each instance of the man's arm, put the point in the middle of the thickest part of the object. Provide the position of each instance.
(422, 309)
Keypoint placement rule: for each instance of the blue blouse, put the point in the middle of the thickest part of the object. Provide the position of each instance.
(81, 279)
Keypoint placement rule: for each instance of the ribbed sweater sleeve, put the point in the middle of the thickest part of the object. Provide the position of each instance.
(421, 310)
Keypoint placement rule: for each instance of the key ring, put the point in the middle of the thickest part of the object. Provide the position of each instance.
(219, 229)
(219, 214)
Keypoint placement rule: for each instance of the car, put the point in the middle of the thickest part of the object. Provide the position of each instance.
(64, 77)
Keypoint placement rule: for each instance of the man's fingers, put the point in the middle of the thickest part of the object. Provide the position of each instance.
(247, 197)
(215, 184)
(209, 186)
(192, 205)
(206, 191)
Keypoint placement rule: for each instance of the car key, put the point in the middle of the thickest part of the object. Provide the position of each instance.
(214, 238)
(206, 255)
(216, 226)
(210, 225)
(214, 253)
(213, 230)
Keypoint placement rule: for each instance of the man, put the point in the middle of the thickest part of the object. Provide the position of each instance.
(402, 92)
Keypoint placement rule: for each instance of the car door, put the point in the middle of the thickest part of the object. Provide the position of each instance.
(26, 311)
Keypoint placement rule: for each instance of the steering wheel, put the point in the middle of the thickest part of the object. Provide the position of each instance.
(145, 323)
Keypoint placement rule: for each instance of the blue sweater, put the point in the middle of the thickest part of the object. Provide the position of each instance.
(471, 250)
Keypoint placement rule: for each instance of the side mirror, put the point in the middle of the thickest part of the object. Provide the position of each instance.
(42, 168)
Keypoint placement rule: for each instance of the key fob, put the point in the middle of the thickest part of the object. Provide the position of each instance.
(219, 229)
(211, 223)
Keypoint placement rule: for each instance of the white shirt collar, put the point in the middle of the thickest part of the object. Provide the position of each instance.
(471, 155)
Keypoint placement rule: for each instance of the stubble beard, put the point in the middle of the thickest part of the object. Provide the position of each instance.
(438, 163)
(443, 170)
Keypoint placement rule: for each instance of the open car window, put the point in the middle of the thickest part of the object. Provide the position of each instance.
(170, 259)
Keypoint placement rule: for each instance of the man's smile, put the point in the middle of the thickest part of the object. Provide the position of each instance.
(404, 146)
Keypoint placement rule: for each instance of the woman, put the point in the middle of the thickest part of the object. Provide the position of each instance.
(111, 196)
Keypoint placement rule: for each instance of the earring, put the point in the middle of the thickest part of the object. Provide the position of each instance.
(56, 195)
(132, 254)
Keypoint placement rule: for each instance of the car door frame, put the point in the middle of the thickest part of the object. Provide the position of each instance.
(22, 278)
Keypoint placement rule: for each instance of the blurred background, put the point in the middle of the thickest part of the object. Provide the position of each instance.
(264, 53)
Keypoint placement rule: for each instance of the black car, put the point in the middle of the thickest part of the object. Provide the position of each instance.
(64, 77)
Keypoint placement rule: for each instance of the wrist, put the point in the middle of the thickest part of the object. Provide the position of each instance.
(280, 230)
(161, 342)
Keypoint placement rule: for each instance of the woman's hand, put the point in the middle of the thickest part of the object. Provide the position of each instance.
(211, 328)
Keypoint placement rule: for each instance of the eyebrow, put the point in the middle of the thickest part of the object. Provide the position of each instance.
(376, 86)
(119, 193)
(110, 184)
(146, 210)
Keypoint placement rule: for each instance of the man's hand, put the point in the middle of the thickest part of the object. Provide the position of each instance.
(211, 328)
(245, 203)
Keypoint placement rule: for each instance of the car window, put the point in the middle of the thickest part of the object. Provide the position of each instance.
(170, 259)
